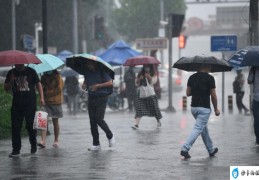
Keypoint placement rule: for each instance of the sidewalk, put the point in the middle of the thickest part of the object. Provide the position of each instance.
(147, 153)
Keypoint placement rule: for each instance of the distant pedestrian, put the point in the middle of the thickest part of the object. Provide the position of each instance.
(98, 82)
(147, 106)
(52, 84)
(21, 81)
(72, 88)
(129, 79)
(239, 90)
(253, 78)
(201, 86)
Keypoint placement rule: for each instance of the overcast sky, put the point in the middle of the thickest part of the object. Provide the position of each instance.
(203, 11)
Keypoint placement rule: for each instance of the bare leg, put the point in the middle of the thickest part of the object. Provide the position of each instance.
(137, 121)
(43, 137)
(56, 129)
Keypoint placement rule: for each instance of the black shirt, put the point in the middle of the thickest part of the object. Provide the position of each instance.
(201, 83)
(23, 87)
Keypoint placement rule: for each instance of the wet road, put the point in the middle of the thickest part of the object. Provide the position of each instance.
(147, 153)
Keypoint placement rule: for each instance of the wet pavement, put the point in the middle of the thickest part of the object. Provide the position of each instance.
(147, 153)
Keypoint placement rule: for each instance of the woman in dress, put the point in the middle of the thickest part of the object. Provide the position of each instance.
(147, 106)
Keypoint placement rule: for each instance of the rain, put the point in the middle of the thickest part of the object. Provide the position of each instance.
(119, 37)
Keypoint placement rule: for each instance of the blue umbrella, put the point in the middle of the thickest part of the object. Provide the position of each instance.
(68, 72)
(64, 54)
(78, 61)
(48, 63)
(248, 56)
(118, 53)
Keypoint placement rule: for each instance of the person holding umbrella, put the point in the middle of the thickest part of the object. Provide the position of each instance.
(201, 86)
(147, 106)
(21, 81)
(98, 76)
(52, 84)
(253, 78)
(98, 82)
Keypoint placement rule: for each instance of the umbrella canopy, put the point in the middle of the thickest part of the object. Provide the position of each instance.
(48, 63)
(141, 60)
(118, 53)
(248, 56)
(78, 61)
(196, 62)
(12, 57)
(64, 54)
(68, 72)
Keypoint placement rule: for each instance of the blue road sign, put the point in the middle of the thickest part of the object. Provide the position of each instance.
(27, 42)
(223, 43)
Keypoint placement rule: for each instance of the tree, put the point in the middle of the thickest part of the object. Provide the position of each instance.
(140, 18)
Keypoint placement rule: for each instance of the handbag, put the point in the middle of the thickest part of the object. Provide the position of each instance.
(146, 91)
(40, 120)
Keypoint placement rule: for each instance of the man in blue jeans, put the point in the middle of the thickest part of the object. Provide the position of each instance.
(253, 78)
(201, 86)
(97, 81)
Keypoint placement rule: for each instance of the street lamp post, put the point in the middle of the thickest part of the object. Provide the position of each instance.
(14, 3)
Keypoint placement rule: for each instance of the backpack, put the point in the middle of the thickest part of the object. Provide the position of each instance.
(236, 87)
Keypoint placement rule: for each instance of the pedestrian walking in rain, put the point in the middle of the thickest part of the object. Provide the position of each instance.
(129, 79)
(72, 89)
(239, 90)
(21, 81)
(99, 85)
(147, 106)
(201, 86)
(253, 78)
(52, 84)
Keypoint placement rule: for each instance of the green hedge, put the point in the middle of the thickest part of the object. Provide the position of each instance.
(5, 115)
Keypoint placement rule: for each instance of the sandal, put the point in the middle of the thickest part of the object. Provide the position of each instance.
(55, 144)
(41, 145)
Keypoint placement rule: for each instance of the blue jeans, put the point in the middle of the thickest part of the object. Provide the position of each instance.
(256, 119)
(202, 117)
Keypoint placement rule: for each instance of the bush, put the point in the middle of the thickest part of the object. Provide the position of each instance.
(5, 113)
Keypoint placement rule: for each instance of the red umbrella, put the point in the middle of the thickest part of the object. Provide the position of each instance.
(17, 57)
(141, 60)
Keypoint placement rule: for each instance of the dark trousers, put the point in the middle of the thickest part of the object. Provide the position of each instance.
(18, 113)
(239, 101)
(96, 111)
(256, 119)
(131, 102)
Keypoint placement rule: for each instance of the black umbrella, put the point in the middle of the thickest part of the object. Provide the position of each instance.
(196, 62)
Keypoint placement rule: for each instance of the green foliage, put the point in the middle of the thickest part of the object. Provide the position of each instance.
(5, 115)
(140, 18)
(5, 119)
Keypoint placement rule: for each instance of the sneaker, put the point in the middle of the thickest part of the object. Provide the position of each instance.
(111, 141)
(94, 148)
(14, 154)
(134, 127)
(33, 149)
(214, 152)
(185, 154)
(247, 113)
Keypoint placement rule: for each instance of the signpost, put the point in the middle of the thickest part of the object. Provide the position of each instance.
(151, 43)
(27, 42)
(221, 44)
